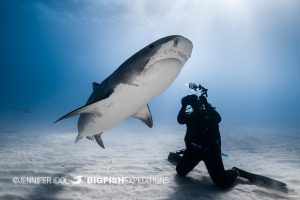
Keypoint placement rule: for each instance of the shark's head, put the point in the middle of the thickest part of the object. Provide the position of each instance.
(174, 46)
(171, 47)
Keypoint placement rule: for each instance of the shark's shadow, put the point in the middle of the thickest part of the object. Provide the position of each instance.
(49, 191)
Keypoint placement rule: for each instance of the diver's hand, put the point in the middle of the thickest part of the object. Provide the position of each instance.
(184, 101)
(188, 100)
(203, 100)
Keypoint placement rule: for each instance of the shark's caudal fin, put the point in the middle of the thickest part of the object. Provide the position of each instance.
(90, 137)
(96, 137)
(145, 116)
(79, 137)
(99, 140)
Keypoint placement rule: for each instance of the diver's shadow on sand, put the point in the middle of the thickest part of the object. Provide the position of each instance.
(191, 188)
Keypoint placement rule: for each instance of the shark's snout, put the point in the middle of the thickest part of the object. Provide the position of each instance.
(178, 47)
(184, 45)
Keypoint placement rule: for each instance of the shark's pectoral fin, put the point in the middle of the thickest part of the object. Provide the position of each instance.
(99, 140)
(145, 116)
(83, 109)
(89, 108)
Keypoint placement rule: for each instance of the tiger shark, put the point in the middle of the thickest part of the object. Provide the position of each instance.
(127, 91)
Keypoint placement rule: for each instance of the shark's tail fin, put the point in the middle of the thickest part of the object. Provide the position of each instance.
(79, 137)
(99, 140)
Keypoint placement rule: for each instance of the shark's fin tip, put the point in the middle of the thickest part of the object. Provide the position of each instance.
(79, 137)
(99, 140)
(145, 116)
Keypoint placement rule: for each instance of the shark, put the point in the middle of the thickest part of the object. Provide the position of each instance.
(129, 89)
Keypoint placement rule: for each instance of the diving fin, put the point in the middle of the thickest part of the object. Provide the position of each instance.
(99, 140)
(261, 180)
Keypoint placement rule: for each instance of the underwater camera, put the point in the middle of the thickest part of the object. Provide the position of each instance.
(198, 88)
(198, 91)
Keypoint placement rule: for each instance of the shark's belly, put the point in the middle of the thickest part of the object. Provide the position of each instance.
(128, 98)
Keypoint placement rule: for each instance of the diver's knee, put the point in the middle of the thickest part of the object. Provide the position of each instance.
(222, 183)
(181, 171)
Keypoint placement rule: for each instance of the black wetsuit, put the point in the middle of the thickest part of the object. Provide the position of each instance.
(203, 142)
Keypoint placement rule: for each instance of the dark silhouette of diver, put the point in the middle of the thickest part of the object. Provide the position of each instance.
(203, 141)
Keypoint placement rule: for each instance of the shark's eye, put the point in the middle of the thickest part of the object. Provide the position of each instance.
(151, 46)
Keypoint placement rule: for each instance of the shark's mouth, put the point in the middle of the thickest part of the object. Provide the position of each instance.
(162, 73)
(166, 62)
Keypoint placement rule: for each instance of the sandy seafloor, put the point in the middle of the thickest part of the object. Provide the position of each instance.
(142, 152)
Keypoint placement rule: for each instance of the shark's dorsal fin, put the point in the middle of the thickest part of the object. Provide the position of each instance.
(95, 85)
(145, 116)
(99, 140)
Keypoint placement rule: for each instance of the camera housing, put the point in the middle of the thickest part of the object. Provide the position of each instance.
(197, 88)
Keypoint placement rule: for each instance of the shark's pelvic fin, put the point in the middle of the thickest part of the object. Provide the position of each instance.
(145, 116)
(90, 137)
(99, 140)
(79, 137)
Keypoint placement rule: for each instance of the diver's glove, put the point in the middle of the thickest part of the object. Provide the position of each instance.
(207, 105)
(203, 100)
(184, 101)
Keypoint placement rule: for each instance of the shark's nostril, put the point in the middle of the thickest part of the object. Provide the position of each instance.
(151, 46)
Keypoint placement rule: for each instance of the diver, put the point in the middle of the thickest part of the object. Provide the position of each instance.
(203, 141)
